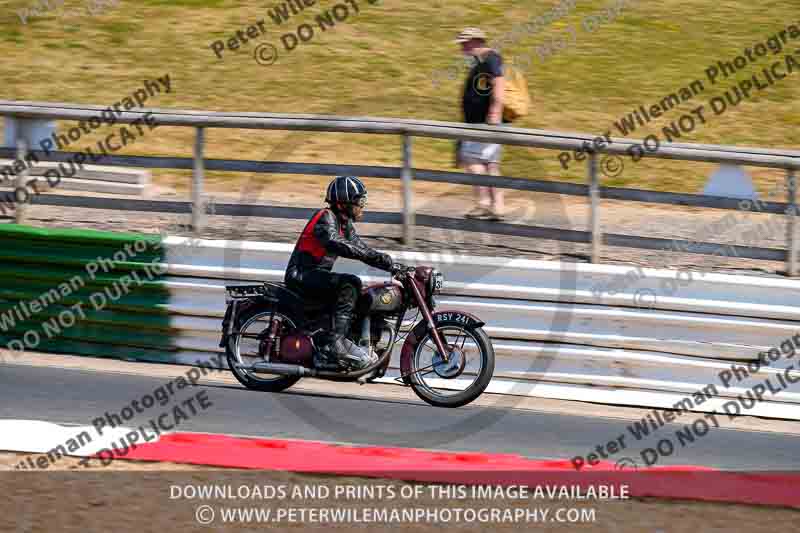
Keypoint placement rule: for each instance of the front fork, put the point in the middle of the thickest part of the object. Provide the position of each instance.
(426, 313)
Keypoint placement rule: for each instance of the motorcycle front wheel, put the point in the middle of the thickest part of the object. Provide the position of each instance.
(463, 377)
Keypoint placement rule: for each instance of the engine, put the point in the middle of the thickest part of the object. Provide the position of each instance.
(385, 336)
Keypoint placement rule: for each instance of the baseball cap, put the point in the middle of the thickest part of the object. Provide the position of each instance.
(470, 33)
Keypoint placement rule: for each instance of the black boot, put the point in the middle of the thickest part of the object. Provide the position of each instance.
(342, 348)
(349, 354)
(324, 358)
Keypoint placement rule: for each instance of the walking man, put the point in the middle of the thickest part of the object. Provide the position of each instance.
(482, 103)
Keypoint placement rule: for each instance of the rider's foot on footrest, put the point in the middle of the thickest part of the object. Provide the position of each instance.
(350, 354)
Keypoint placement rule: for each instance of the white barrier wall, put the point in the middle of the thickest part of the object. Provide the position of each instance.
(554, 336)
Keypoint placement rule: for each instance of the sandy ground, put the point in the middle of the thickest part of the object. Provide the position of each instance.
(523, 208)
(139, 496)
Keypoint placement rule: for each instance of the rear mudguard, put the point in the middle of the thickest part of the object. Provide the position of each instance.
(230, 322)
(467, 320)
(241, 308)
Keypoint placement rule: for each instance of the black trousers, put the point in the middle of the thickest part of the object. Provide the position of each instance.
(340, 290)
(324, 285)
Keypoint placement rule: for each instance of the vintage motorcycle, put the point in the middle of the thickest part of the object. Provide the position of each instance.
(447, 358)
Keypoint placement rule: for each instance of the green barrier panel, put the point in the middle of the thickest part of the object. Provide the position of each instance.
(85, 292)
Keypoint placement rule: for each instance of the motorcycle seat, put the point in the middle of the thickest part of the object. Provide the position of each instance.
(297, 300)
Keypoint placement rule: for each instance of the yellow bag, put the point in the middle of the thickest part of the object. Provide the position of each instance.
(516, 99)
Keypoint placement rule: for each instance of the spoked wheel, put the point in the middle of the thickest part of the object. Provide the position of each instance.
(463, 377)
(247, 348)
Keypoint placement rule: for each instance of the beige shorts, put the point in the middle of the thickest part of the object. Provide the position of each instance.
(478, 152)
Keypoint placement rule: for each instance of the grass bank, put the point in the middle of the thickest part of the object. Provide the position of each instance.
(395, 58)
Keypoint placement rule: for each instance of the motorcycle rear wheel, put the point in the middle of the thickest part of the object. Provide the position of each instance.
(243, 350)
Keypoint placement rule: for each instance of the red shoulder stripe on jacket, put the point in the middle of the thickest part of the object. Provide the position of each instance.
(308, 242)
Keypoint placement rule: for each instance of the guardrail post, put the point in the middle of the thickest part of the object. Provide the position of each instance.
(791, 224)
(408, 198)
(198, 203)
(594, 206)
(20, 214)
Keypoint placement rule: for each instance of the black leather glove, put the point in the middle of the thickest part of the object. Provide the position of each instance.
(398, 268)
(384, 261)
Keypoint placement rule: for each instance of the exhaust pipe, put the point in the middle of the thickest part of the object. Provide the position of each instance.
(281, 369)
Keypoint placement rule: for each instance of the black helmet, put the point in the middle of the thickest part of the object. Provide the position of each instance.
(347, 190)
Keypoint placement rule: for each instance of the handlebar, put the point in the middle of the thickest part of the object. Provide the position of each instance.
(400, 270)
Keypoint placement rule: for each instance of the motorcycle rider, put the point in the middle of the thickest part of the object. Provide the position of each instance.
(330, 233)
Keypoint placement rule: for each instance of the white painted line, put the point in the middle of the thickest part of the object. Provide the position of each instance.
(36, 436)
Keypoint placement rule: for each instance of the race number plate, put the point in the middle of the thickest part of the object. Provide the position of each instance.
(438, 282)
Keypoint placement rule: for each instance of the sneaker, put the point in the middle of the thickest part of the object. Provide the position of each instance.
(494, 216)
(478, 213)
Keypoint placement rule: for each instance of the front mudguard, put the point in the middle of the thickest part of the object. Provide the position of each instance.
(414, 337)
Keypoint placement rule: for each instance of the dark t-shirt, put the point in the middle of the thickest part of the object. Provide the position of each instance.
(478, 88)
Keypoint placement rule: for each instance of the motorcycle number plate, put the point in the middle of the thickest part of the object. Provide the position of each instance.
(457, 317)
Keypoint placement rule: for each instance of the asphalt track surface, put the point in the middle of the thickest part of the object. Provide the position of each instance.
(69, 396)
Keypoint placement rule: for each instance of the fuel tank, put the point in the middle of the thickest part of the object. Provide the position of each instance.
(384, 297)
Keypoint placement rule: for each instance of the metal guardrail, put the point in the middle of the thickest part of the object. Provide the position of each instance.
(408, 128)
(92, 178)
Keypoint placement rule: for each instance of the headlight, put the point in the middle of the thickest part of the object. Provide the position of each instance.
(436, 282)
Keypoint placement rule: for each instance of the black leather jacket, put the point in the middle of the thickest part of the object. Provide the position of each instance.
(323, 240)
